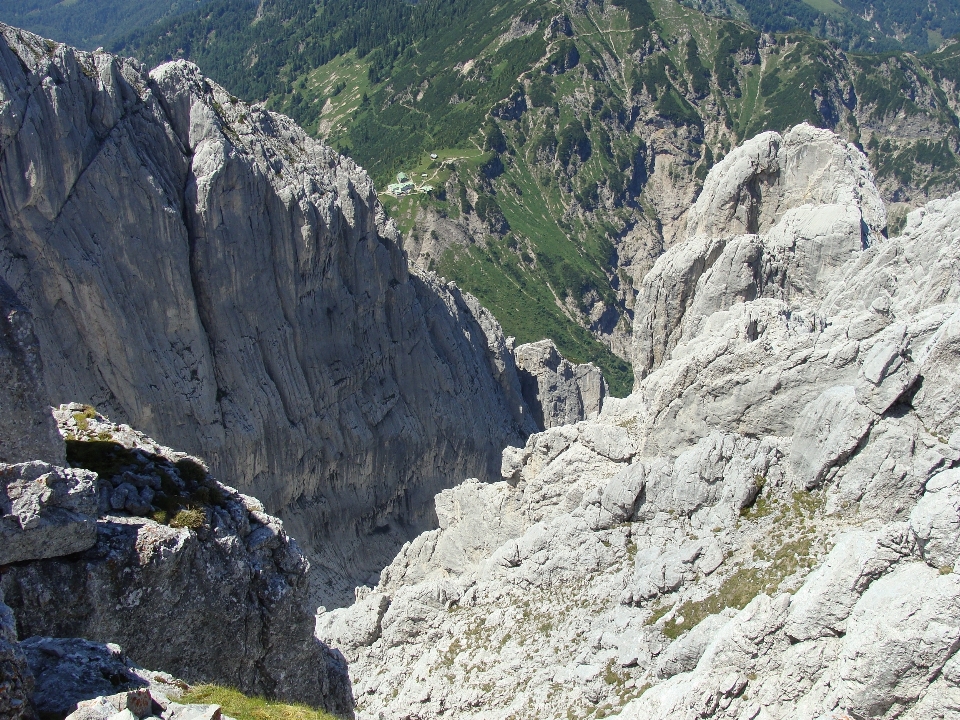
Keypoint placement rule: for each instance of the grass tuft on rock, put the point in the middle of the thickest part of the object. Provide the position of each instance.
(241, 707)
(83, 417)
(191, 518)
(793, 547)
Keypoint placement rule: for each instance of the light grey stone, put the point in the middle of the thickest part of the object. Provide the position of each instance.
(192, 712)
(683, 654)
(557, 391)
(46, 511)
(620, 496)
(936, 520)
(899, 636)
(828, 432)
(822, 605)
(127, 705)
(887, 373)
(349, 628)
(763, 178)
(888, 474)
(938, 400)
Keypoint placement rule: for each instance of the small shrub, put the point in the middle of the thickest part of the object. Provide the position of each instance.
(83, 417)
(190, 518)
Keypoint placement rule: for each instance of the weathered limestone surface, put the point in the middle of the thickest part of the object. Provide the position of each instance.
(153, 554)
(206, 271)
(811, 197)
(557, 391)
(768, 528)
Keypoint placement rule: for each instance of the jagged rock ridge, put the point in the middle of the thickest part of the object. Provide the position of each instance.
(766, 528)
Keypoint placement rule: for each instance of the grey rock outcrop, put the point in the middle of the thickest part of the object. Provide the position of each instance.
(205, 271)
(557, 391)
(935, 521)
(758, 182)
(45, 511)
(16, 680)
(811, 198)
(153, 573)
(27, 430)
(766, 529)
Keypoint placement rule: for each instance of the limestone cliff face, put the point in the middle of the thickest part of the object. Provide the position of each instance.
(207, 272)
(27, 429)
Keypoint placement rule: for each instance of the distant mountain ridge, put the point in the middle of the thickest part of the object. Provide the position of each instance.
(865, 25)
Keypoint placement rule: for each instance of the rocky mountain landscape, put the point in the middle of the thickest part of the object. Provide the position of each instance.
(572, 137)
(279, 333)
(385, 506)
(766, 528)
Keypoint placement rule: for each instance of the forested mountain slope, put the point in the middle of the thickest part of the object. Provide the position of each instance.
(90, 23)
(875, 25)
(570, 137)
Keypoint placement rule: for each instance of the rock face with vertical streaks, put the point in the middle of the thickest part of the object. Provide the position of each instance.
(206, 271)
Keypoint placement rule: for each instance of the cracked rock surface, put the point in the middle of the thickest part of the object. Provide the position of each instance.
(767, 528)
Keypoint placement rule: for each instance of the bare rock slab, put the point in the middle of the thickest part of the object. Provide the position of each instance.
(46, 511)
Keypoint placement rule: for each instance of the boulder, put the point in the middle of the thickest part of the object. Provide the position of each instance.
(758, 182)
(46, 511)
(935, 520)
(887, 372)
(683, 654)
(828, 431)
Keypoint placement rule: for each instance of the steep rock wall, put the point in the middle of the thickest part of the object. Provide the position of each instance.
(205, 271)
